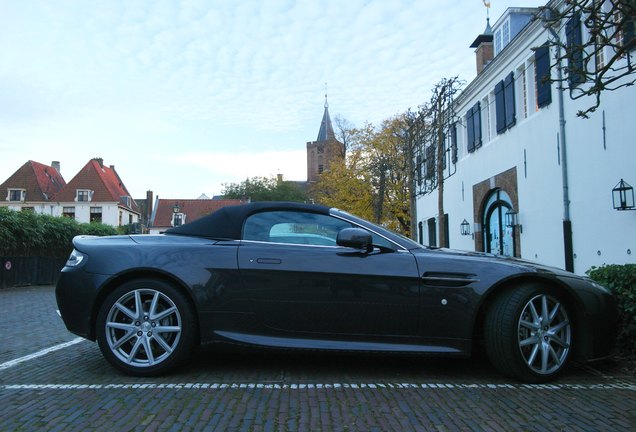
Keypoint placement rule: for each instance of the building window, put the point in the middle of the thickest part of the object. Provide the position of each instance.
(542, 75)
(485, 117)
(16, 195)
(321, 169)
(178, 219)
(531, 103)
(83, 195)
(68, 212)
(96, 214)
(498, 44)
(522, 91)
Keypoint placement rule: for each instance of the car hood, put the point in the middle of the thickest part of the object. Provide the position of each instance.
(476, 260)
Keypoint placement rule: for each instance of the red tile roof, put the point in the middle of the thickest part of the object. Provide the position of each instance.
(102, 180)
(41, 182)
(192, 208)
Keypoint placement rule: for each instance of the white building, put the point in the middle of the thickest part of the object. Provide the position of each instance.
(508, 154)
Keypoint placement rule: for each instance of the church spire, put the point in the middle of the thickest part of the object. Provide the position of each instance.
(326, 128)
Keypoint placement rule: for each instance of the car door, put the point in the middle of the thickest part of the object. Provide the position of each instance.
(300, 281)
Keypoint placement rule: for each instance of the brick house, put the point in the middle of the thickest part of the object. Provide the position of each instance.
(168, 213)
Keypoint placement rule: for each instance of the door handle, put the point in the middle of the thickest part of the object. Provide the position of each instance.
(269, 261)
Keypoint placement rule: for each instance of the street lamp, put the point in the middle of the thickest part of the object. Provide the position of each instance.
(176, 208)
(623, 196)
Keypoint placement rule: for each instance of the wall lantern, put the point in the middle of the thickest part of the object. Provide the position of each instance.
(465, 228)
(176, 208)
(512, 220)
(623, 196)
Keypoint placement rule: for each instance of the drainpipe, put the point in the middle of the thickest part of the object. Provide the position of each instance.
(567, 223)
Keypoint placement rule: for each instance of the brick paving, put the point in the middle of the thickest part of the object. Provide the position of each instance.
(74, 389)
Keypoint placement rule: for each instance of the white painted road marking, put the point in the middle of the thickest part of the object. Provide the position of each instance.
(316, 386)
(40, 353)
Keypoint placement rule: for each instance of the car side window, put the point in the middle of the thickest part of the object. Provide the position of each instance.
(294, 228)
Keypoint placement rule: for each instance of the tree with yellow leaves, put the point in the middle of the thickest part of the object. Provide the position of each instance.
(373, 181)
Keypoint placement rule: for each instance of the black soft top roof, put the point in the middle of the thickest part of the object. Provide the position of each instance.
(227, 222)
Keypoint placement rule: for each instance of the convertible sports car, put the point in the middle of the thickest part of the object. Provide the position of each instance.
(303, 276)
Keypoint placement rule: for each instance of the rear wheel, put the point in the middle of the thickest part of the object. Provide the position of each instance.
(146, 327)
(529, 334)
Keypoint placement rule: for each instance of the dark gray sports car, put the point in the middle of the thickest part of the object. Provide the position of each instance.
(304, 276)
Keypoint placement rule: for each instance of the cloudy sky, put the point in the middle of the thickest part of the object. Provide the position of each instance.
(183, 96)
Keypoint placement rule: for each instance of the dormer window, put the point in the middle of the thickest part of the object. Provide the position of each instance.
(126, 200)
(16, 195)
(83, 195)
(178, 219)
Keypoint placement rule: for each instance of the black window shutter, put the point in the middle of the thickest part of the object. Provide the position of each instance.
(574, 42)
(509, 96)
(454, 143)
(430, 162)
(629, 33)
(470, 131)
(500, 107)
(542, 75)
(432, 232)
(477, 123)
(446, 232)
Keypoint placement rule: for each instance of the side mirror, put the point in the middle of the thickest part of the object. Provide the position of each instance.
(356, 238)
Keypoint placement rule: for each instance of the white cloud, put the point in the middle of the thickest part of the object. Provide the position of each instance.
(133, 81)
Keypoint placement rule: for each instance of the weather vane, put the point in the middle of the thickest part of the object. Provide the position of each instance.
(487, 4)
(326, 104)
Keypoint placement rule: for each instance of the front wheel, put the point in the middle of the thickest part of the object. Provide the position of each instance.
(528, 333)
(146, 327)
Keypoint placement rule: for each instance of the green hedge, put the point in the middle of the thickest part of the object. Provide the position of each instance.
(25, 233)
(621, 280)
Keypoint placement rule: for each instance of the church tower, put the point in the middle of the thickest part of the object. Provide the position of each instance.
(324, 150)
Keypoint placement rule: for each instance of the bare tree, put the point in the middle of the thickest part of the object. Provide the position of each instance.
(433, 133)
(598, 46)
(345, 133)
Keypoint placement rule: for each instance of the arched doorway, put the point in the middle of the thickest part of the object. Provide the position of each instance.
(499, 239)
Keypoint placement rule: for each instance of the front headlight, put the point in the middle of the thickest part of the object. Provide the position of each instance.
(75, 259)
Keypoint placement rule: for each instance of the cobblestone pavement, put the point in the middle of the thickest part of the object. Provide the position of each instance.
(74, 389)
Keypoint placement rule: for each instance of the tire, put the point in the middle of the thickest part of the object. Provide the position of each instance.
(146, 327)
(529, 334)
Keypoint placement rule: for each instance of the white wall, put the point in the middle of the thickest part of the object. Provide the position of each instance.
(592, 170)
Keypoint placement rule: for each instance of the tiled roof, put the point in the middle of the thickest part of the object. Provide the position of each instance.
(193, 209)
(41, 182)
(102, 180)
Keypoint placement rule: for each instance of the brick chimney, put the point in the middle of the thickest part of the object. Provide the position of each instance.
(484, 49)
